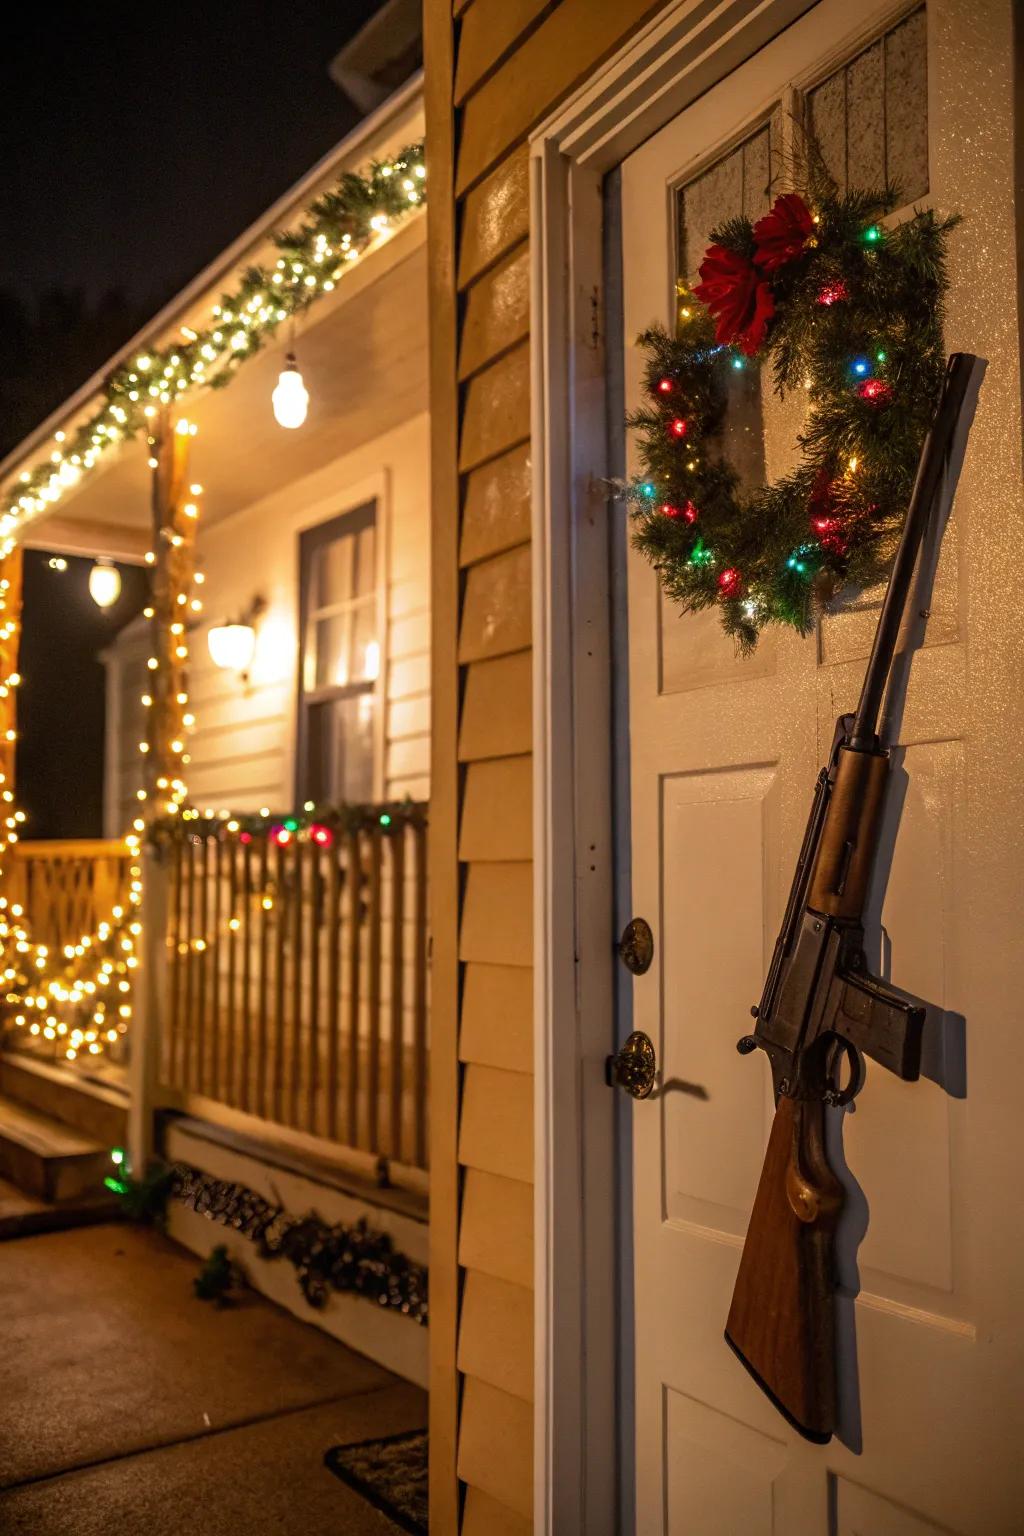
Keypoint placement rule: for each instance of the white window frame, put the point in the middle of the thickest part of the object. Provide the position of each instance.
(377, 489)
(686, 50)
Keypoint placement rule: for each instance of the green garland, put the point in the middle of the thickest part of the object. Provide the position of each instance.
(850, 313)
(322, 824)
(312, 258)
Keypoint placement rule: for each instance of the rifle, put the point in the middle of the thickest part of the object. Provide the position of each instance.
(821, 1013)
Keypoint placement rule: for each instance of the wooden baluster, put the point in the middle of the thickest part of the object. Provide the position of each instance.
(294, 1083)
(202, 858)
(315, 938)
(264, 1002)
(332, 931)
(173, 1044)
(419, 995)
(189, 1031)
(230, 1032)
(280, 984)
(373, 994)
(245, 1042)
(354, 938)
(215, 979)
(397, 1060)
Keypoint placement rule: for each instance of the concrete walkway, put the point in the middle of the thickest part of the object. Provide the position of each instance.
(129, 1407)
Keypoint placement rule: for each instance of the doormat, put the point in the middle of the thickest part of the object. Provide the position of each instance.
(391, 1473)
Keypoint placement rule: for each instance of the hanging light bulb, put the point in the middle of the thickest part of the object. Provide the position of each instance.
(291, 397)
(104, 583)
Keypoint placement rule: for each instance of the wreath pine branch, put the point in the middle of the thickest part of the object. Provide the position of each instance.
(849, 313)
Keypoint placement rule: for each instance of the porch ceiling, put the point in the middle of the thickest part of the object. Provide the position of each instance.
(363, 354)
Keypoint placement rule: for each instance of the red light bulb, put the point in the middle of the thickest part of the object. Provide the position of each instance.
(730, 582)
(665, 386)
(688, 512)
(678, 427)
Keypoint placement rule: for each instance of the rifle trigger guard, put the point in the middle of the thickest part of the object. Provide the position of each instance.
(835, 1095)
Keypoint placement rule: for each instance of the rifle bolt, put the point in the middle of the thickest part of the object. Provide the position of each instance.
(746, 1044)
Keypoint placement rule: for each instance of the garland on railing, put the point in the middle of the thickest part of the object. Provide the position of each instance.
(312, 258)
(318, 824)
(353, 1259)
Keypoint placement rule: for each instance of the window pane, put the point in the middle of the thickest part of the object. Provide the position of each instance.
(738, 183)
(343, 569)
(870, 118)
(341, 733)
(342, 648)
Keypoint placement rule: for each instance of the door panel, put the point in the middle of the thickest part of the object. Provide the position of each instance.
(723, 756)
(715, 838)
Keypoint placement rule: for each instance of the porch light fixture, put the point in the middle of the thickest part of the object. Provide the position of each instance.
(232, 646)
(233, 643)
(104, 583)
(291, 397)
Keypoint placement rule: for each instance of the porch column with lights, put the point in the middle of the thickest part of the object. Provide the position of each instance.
(10, 641)
(172, 558)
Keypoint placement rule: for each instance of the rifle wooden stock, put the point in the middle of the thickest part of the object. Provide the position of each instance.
(782, 1319)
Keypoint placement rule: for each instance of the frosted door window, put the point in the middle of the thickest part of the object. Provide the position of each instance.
(870, 118)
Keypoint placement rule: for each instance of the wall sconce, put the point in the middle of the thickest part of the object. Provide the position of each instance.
(233, 643)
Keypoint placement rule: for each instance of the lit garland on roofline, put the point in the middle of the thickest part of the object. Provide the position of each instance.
(312, 258)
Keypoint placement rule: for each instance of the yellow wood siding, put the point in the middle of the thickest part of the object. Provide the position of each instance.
(496, 514)
(510, 62)
(497, 1016)
(488, 732)
(495, 215)
(496, 1444)
(496, 1334)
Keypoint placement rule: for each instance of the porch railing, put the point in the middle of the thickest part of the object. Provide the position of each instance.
(67, 888)
(296, 982)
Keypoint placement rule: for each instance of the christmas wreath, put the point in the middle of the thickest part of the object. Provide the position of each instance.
(848, 311)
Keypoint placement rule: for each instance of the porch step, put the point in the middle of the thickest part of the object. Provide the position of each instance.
(23, 1215)
(97, 1110)
(47, 1159)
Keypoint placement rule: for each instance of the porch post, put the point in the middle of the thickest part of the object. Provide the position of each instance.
(10, 640)
(173, 562)
(174, 550)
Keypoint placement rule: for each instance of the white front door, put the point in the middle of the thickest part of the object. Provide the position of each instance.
(723, 755)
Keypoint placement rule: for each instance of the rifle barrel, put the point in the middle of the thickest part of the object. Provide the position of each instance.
(930, 468)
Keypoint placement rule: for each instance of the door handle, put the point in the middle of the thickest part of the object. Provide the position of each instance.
(634, 1067)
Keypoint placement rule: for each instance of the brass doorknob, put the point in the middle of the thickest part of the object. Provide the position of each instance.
(636, 946)
(634, 1067)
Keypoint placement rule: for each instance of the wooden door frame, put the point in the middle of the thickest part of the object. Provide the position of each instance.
(688, 48)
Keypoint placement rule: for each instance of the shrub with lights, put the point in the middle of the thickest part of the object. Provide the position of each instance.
(848, 312)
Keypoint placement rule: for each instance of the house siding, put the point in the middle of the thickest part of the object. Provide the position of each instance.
(243, 745)
(495, 68)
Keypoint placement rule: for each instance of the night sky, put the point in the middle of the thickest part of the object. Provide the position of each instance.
(136, 144)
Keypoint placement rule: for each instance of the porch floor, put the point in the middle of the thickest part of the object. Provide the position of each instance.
(127, 1404)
